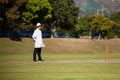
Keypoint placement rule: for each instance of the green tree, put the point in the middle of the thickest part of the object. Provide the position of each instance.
(83, 26)
(64, 13)
(37, 11)
(10, 12)
(116, 18)
(101, 25)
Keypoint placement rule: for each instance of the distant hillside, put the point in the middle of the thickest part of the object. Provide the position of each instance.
(106, 7)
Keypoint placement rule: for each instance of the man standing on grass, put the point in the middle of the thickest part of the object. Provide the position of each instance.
(37, 37)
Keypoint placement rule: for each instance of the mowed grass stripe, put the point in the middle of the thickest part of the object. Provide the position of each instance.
(62, 71)
(16, 60)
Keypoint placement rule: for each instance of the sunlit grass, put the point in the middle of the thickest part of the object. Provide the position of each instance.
(16, 61)
(21, 67)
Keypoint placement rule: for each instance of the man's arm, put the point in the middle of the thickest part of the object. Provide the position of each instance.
(34, 36)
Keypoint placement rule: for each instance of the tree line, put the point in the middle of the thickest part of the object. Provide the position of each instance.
(99, 26)
(61, 15)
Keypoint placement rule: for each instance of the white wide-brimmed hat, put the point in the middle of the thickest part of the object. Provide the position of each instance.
(38, 24)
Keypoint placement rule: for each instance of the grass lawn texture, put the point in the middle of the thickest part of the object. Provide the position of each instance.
(65, 59)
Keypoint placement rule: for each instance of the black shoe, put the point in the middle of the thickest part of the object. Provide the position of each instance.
(40, 60)
(34, 61)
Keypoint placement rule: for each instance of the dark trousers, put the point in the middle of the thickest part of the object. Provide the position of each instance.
(37, 51)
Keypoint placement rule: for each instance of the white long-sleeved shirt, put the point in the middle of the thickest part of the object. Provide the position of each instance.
(37, 36)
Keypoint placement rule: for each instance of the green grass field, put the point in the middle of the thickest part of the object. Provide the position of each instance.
(16, 60)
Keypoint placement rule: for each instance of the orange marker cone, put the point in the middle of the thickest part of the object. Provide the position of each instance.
(107, 53)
